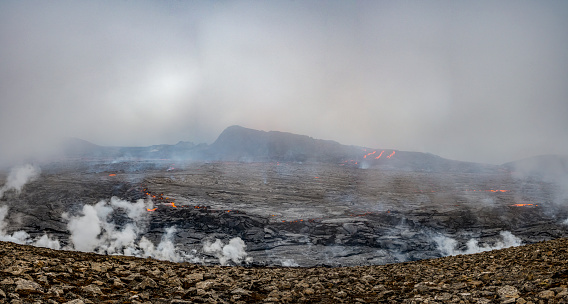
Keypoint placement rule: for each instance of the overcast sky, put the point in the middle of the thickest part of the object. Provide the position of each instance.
(483, 81)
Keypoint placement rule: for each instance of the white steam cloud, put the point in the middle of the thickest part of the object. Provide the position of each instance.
(234, 251)
(448, 246)
(94, 231)
(19, 176)
(22, 237)
(166, 250)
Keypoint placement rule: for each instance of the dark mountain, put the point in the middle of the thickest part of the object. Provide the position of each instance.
(241, 144)
(237, 143)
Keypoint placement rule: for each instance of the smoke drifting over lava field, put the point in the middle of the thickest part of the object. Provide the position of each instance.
(280, 199)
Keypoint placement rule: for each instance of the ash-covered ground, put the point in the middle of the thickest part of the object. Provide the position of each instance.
(280, 213)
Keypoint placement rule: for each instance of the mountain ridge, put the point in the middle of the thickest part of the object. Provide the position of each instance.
(241, 144)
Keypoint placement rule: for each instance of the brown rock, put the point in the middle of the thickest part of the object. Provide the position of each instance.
(174, 282)
(146, 283)
(27, 287)
(205, 285)
(117, 283)
(195, 277)
(240, 291)
(444, 297)
(271, 300)
(92, 290)
(508, 291)
(309, 291)
(546, 294)
(562, 293)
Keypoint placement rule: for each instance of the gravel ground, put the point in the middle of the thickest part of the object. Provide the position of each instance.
(536, 273)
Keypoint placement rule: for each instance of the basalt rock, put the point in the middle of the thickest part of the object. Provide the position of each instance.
(533, 273)
(303, 214)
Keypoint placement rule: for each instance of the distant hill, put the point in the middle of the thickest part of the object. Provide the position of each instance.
(242, 144)
(237, 143)
(78, 148)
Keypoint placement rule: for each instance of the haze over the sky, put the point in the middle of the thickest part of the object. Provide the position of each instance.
(483, 81)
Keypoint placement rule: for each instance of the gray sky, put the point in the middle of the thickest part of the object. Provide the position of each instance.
(483, 81)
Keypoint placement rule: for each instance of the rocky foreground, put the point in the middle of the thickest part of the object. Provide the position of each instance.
(536, 273)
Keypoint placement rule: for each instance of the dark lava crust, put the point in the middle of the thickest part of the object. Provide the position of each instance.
(302, 214)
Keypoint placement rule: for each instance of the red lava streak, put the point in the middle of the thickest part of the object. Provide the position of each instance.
(380, 154)
(112, 174)
(354, 162)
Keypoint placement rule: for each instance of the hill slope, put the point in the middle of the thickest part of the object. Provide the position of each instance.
(237, 143)
(241, 144)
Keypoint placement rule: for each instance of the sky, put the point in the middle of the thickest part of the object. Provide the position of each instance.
(481, 81)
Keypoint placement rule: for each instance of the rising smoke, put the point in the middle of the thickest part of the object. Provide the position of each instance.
(22, 237)
(233, 251)
(449, 246)
(94, 231)
(19, 176)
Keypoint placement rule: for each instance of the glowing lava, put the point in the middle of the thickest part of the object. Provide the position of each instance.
(151, 210)
(380, 154)
(391, 155)
(112, 174)
(369, 154)
(524, 205)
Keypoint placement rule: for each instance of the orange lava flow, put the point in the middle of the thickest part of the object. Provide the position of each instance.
(365, 156)
(391, 155)
(380, 154)
(112, 174)
(151, 210)
(173, 205)
(523, 205)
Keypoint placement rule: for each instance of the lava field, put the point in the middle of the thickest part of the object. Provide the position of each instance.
(294, 213)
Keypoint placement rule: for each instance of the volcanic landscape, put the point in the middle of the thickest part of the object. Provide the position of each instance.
(280, 199)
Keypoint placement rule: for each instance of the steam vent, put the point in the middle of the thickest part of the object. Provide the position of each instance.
(278, 217)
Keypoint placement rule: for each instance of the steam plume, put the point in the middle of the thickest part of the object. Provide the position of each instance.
(166, 250)
(234, 251)
(19, 176)
(93, 231)
(22, 237)
(448, 246)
